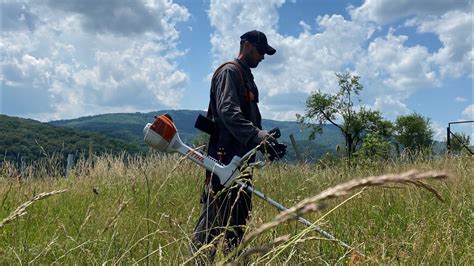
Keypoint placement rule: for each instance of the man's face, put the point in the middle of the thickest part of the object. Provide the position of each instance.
(254, 56)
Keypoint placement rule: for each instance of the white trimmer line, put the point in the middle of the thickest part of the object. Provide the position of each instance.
(163, 136)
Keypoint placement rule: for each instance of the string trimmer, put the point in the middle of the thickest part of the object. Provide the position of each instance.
(163, 136)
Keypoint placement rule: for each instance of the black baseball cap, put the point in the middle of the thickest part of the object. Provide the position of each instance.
(258, 39)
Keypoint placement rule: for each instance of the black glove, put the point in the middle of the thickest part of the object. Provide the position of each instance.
(271, 147)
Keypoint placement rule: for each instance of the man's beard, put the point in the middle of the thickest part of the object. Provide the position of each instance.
(251, 63)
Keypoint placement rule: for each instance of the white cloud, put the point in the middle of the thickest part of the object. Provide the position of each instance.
(450, 20)
(82, 60)
(301, 64)
(125, 17)
(240, 17)
(391, 67)
(399, 67)
(391, 106)
(460, 99)
(17, 16)
(76, 71)
(386, 11)
(439, 131)
(455, 31)
(469, 112)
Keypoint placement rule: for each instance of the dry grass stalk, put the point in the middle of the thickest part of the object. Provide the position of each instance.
(158, 231)
(6, 194)
(172, 170)
(74, 248)
(265, 248)
(198, 256)
(113, 220)
(46, 249)
(88, 216)
(21, 210)
(299, 237)
(313, 203)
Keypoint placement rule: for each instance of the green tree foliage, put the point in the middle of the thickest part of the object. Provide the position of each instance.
(28, 140)
(323, 108)
(458, 141)
(414, 132)
(375, 147)
(201, 139)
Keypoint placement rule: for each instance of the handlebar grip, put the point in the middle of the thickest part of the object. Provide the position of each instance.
(275, 132)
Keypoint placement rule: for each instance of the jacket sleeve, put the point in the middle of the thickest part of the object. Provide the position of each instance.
(227, 87)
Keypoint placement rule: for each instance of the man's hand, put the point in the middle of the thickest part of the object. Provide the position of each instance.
(271, 146)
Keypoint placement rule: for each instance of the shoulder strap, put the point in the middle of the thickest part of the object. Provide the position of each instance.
(233, 63)
(209, 111)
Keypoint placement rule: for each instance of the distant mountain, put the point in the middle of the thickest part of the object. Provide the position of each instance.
(27, 140)
(129, 127)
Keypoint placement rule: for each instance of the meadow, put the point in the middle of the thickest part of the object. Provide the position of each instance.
(121, 210)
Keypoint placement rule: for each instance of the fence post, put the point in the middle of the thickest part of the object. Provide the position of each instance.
(22, 168)
(70, 162)
(297, 151)
(448, 139)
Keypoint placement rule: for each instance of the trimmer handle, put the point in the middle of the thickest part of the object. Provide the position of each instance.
(275, 132)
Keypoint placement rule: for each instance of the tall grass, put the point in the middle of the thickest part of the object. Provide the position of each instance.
(120, 209)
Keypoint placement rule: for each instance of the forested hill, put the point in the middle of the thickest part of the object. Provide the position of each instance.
(129, 127)
(27, 140)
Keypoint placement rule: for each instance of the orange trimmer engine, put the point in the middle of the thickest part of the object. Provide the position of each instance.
(164, 126)
(161, 133)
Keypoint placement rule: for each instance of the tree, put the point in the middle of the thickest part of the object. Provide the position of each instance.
(375, 147)
(414, 132)
(201, 139)
(322, 108)
(458, 141)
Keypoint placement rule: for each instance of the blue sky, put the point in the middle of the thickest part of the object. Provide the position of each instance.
(73, 58)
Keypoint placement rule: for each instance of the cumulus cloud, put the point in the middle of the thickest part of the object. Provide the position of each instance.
(450, 20)
(240, 17)
(391, 106)
(122, 55)
(125, 17)
(390, 70)
(73, 71)
(469, 111)
(301, 64)
(16, 16)
(455, 31)
(387, 11)
(391, 66)
(117, 76)
(439, 131)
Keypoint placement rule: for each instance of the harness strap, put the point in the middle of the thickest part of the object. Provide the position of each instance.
(248, 94)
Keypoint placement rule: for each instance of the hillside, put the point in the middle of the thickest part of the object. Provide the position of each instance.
(27, 140)
(129, 127)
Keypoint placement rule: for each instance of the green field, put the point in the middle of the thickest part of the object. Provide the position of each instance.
(143, 210)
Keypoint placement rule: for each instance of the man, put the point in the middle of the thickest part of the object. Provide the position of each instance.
(238, 129)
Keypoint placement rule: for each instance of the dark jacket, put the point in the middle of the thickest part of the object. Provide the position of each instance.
(235, 111)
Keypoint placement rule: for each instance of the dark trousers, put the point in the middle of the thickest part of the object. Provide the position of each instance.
(224, 211)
